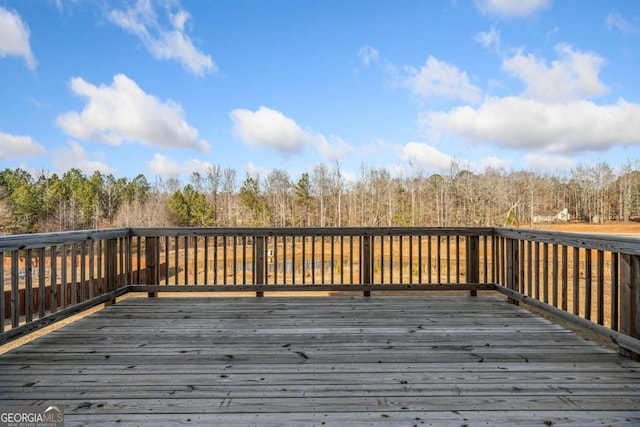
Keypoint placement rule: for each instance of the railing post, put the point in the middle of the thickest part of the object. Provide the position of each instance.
(258, 263)
(365, 263)
(110, 272)
(496, 256)
(473, 261)
(15, 290)
(630, 300)
(151, 263)
(512, 267)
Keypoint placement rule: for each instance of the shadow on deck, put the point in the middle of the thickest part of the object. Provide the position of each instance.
(322, 361)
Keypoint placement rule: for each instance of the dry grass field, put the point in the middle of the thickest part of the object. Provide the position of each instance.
(626, 229)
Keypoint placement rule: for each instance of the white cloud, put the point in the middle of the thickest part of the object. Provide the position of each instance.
(332, 149)
(272, 130)
(495, 163)
(256, 171)
(618, 22)
(552, 32)
(124, 112)
(164, 43)
(17, 146)
(548, 163)
(74, 156)
(368, 55)
(14, 38)
(438, 79)
(374, 147)
(267, 128)
(401, 170)
(426, 155)
(511, 8)
(574, 76)
(489, 39)
(528, 124)
(552, 115)
(60, 4)
(162, 165)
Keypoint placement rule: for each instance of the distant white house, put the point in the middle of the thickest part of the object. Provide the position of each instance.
(562, 216)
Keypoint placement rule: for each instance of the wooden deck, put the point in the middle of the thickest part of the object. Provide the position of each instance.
(322, 361)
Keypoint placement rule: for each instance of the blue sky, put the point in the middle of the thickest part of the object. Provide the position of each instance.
(168, 87)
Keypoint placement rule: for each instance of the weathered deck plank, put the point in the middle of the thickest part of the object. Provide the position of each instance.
(337, 360)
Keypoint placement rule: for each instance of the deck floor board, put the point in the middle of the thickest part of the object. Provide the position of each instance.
(322, 361)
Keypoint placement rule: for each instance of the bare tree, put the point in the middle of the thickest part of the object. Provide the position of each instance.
(320, 187)
(439, 188)
(229, 191)
(595, 185)
(337, 188)
(213, 181)
(456, 197)
(197, 181)
(628, 185)
(279, 198)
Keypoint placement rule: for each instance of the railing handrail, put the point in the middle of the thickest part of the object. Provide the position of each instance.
(608, 242)
(605, 242)
(310, 231)
(16, 242)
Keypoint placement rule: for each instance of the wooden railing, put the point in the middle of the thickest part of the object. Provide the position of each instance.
(591, 281)
(273, 259)
(48, 277)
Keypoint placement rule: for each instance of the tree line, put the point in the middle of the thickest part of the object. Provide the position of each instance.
(322, 197)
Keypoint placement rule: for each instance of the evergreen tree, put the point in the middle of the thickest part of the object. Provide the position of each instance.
(190, 208)
(253, 201)
(303, 201)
